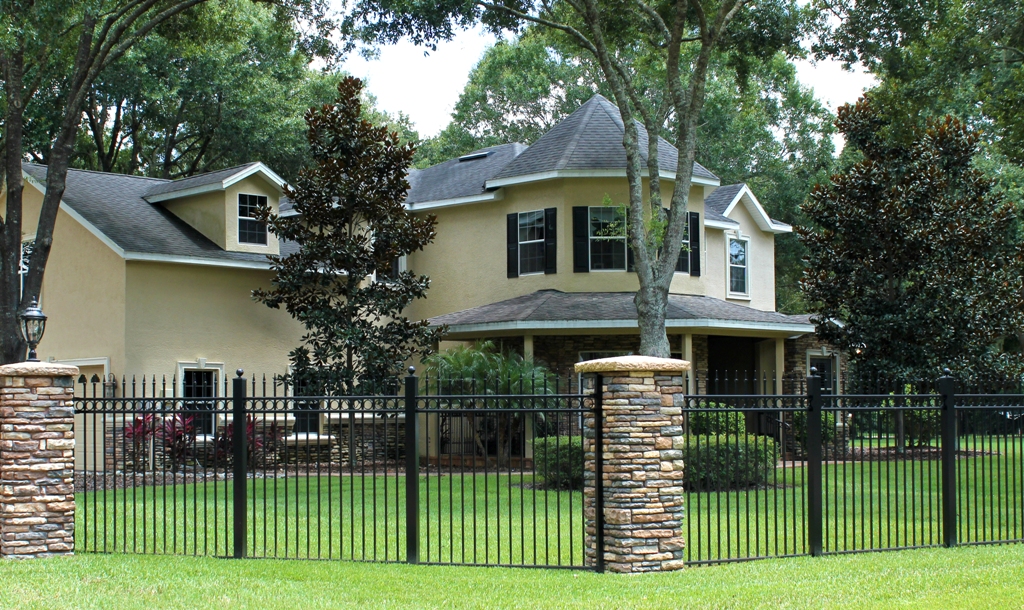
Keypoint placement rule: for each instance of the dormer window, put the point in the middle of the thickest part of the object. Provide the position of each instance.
(739, 257)
(250, 230)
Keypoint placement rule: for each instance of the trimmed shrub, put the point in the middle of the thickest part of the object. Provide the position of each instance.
(710, 423)
(828, 429)
(559, 459)
(714, 463)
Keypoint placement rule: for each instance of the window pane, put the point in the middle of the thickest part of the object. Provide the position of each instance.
(608, 254)
(531, 225)
(607, 222)
(531, 257)
(737, 252)
(251, 231)
(738, 279)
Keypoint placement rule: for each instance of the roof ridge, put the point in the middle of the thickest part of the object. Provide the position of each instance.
(96, 171)
(540, 302)
(577, 134)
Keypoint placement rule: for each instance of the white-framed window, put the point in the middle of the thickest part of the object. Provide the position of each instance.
(683, 262)
(531, 242)
(26, 254)
(739, 266)
(250, 230)
(608, 248)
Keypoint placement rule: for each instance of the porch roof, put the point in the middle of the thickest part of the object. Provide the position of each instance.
(553, 310)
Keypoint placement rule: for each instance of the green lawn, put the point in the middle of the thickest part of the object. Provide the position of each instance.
(487, 519)
(968, 577)
(494, 519)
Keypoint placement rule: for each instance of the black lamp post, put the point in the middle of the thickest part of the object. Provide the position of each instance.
(33, 323)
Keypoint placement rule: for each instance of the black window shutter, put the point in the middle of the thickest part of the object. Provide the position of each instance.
(550, 241)
(695, 244)
(580, 239)
(513, 245)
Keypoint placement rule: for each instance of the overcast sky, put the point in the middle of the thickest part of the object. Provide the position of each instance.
(426, 87)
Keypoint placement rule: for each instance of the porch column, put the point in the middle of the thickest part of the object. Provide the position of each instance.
(691, 379)
(641, 459)
(780, 363)
(527, 347)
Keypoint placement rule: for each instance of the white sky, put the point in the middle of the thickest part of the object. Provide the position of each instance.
(426, 87)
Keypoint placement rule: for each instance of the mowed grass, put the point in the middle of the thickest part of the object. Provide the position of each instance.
(481, 519)
(866, 505)
(962, 578)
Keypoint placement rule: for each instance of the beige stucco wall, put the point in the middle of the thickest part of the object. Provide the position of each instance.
(82, 290)
(215, 214)
(762, 262)
(467, 261)
(181, 313)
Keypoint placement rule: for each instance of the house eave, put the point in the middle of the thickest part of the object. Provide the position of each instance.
(195, 260)
(588, 173)
(419, 206)
(258, 168)
(598, 325)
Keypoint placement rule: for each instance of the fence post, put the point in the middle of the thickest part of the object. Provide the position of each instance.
(412, 471)
(599, 470)
(946, 386)
(239, 481)
(814, 513)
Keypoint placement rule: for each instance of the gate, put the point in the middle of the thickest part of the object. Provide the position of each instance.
(250, 470)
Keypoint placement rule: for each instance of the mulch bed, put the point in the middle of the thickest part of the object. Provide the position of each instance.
(888, 454)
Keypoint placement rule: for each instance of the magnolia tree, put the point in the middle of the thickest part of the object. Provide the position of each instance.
(914, 263)
(351, 227)
(673, 41)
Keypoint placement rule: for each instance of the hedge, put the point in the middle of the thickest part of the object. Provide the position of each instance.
(720, 462)
(559, 459)
(705, 423)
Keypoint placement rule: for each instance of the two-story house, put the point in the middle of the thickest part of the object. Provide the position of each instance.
(531, 252)
(154, 277)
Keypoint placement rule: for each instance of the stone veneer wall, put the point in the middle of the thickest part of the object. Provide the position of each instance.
(37, 460)
(642, 472)
(796, 357)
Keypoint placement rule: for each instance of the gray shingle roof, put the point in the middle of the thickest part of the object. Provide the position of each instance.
(173, 186)
(558, 306)
(716, 203)
(590, 138)
(455, 178)
(114, 204)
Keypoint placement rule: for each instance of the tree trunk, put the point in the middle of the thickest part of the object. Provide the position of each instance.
(13, 344)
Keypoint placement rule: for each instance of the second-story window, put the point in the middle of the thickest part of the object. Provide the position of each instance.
(608, 238)
(250, 230)
(531, 242)
(26, 254)
(738, 266)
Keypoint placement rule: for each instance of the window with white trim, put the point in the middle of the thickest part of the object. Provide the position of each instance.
(250, 230)
(531, 242)
(608, 249)
(739, 266)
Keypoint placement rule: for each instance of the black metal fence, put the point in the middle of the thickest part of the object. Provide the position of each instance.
(913, 466)
(471, 473)
(440, 473)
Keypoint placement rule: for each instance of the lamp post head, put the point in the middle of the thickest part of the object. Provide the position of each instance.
(33, 324)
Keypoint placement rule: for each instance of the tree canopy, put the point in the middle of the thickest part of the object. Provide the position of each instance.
(914, 261)
(351, 227)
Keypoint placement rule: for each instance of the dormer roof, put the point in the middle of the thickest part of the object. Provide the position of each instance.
(723, 200)
(589, 140)
(212, 181)
(113, 207)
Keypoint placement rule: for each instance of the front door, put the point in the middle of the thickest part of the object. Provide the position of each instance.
(826, 370)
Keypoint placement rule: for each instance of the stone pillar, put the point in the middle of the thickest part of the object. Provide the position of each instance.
(37, 460)
(642, 464)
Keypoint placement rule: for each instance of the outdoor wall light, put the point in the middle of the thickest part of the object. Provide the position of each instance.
(33, 323)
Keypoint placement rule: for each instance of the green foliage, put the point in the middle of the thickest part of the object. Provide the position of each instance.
(482, 368)
(705, 423)
(828, 429)
(728, 461)
(351, 226)
(913, 251)
(559, 459)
